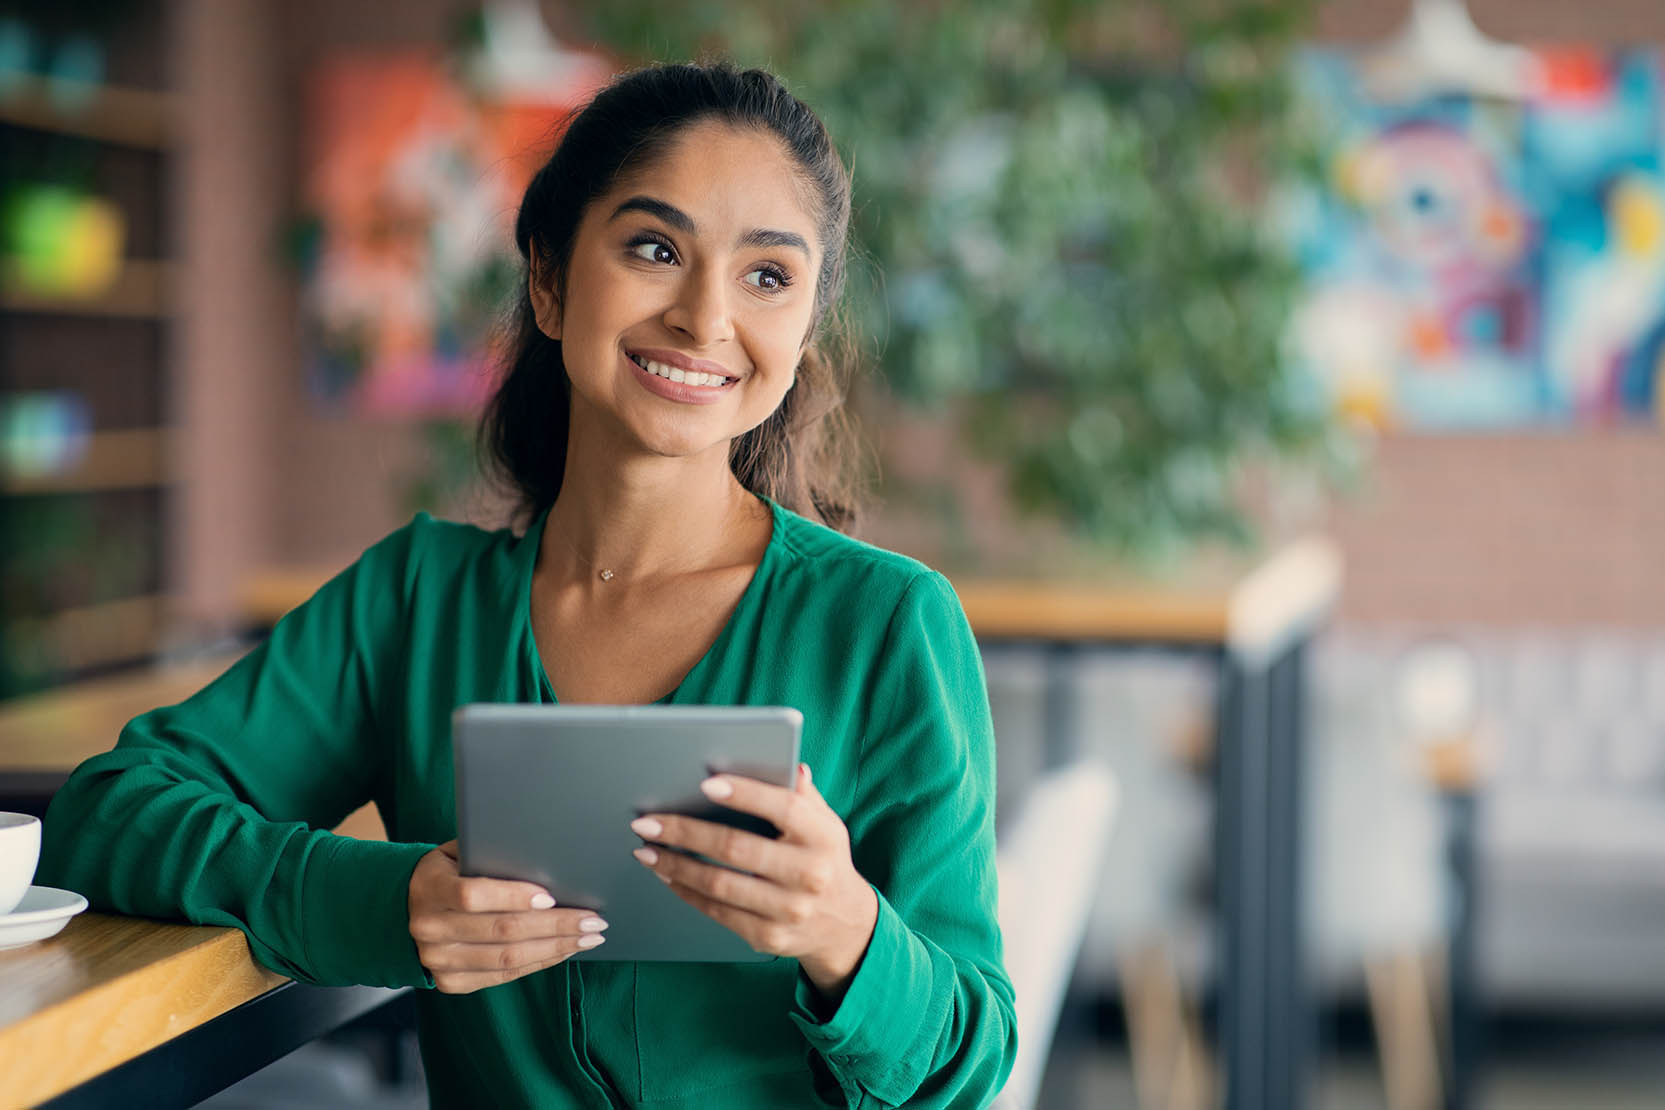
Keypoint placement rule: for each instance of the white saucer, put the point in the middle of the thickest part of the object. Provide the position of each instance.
(42, 913)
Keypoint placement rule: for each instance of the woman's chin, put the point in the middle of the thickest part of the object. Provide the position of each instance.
(682, 443)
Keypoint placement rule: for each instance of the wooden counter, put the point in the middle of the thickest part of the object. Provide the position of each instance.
(109, 988)
(1251, 606)
(57, 730)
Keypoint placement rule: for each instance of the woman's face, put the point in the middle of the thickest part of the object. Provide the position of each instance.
(689, 294)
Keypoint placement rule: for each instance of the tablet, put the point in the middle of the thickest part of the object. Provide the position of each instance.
(546, 794)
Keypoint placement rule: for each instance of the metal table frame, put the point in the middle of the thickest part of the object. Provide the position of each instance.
(1266, 1021)
(211, 1057)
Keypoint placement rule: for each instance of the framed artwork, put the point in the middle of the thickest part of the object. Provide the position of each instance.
(1474, 262)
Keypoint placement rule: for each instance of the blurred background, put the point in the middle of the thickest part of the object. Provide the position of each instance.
(1168, 296)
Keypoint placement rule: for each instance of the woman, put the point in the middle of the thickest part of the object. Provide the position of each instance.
(665, 421)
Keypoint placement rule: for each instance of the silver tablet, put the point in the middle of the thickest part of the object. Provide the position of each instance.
(546, 794)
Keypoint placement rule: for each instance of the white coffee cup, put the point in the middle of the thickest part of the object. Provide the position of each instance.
(19, 853)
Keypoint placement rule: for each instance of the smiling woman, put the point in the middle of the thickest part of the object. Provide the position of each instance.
(669, 420)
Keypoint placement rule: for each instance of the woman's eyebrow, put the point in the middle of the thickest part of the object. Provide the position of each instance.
(670, 213)
(767, 237)
(677, 218)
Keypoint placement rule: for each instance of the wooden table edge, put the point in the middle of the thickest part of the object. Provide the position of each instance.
(1276, 600)
(34, 1055)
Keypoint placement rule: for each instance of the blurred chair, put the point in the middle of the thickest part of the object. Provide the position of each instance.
(1376, 905)
(1564, 776)
(1048, 861)
(1571, 837)
(1148, 714)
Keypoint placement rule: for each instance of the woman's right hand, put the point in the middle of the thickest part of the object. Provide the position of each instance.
(476, 932)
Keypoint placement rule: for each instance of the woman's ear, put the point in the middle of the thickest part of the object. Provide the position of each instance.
(546, 306)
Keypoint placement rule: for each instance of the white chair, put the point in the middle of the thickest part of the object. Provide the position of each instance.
(1049, 859)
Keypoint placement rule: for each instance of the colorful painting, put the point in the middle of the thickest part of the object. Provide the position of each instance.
(411, 189)
(1475, 262)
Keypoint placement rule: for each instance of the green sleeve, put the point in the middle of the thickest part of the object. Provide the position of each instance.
(213, 810)
(927, 1020)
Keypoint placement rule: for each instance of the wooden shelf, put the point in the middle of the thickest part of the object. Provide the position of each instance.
(140, 292)
(128, 137)
(126, 117)
(135, 458)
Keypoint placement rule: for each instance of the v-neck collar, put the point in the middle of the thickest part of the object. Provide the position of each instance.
(532, 541)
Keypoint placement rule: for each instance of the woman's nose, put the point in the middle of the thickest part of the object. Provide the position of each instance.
(701, 309)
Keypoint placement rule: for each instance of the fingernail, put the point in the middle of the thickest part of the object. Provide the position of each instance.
(716, 788)
(646, 855)
(591, 941)
(647, 826)
(592, 925)
(542, 901)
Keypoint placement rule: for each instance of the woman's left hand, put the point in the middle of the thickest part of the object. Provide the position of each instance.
(803, 897)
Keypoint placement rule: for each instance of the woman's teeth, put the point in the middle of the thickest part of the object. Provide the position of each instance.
(677, 374)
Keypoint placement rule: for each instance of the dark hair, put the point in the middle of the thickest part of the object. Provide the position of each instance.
(801, 455)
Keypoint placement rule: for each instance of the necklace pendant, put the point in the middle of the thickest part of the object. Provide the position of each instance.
(606, 576)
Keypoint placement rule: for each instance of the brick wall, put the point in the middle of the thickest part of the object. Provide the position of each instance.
(1550, 528)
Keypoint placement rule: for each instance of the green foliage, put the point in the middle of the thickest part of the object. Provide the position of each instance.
(1045, 238)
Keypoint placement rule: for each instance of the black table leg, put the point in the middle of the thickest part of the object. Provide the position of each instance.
(1265, 1015)
(1462, 989)
(1291, 1015)
(1061, 709)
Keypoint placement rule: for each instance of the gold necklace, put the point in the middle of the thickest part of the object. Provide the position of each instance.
(601, 572)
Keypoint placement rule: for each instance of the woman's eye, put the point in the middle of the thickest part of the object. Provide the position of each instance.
(770, 278)
(652, 250)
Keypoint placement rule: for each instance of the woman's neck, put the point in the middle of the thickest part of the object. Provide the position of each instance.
(647, 519)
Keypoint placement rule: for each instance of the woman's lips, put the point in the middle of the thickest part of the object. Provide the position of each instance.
(678, 391)
(673, 359)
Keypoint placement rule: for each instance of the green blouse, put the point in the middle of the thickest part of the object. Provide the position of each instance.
(215, 810)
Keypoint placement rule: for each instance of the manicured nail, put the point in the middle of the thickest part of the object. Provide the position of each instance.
(591, 941)
(592, 925)
(542, 901)
(716, 788)
(647, 826)
(646, 855)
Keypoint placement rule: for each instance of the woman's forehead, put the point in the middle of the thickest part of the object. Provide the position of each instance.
(725, 178)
